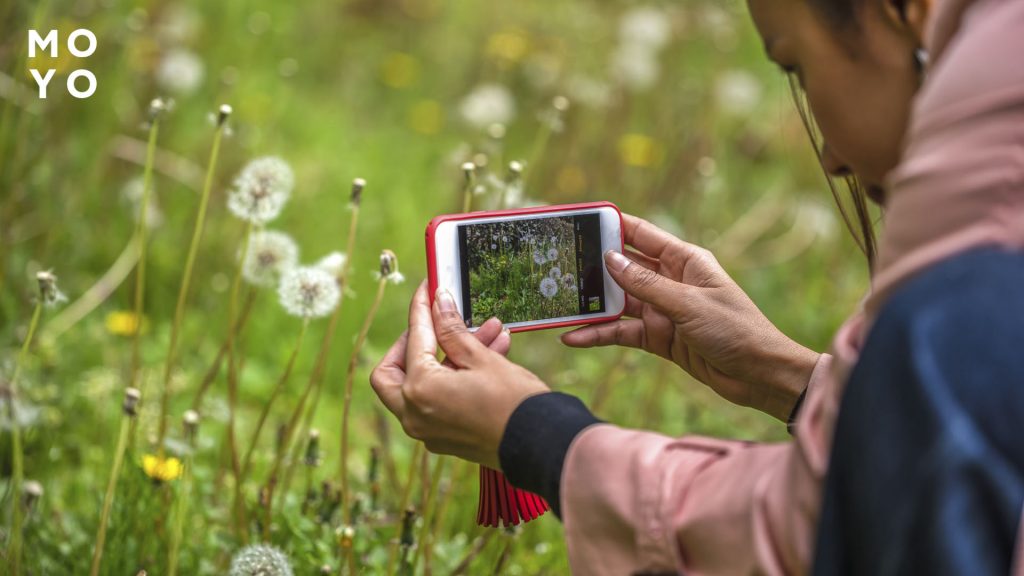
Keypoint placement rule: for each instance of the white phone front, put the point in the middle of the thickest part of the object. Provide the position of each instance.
(533, 270)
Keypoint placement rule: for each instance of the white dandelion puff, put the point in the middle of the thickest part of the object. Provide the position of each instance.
(180, 72)
(555, 272)
(389, 268)
(333, 263)
(48, 290)
(569, 281)
(538, 256)
(548, 288)
(260, 560)
(645, 28)
(552, 254)
(261, 190)
(270, 255)
(494, 246)
(738, 92)
(308, 292)
(488, 104)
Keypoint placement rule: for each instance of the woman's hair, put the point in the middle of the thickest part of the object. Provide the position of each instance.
(854, 210)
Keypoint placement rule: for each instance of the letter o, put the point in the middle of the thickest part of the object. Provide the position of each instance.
(82, 53)
(71, 84)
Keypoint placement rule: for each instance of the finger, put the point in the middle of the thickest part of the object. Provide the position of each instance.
(653, 241)
(641, 259)
(488, 334)
(422, 349)
(503, 343)
(634, 308)
(666, 295)
(387, 378)
(462, 348)
(619, 333)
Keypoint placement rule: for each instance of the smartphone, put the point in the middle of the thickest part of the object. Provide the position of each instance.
(532, 268)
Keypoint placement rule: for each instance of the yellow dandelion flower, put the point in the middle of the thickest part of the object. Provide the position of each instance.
(640, 151)
(124, 323)
(400, 70)
(161, 469)
(426, 117)
(509, 46)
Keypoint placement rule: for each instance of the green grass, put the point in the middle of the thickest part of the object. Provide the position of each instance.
(371, 89)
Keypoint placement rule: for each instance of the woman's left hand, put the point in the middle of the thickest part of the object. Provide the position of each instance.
(460, 407)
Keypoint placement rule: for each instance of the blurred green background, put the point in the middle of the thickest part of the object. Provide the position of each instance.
(675, 115)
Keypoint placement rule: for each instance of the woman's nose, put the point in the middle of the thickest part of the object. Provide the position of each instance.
(832, 164)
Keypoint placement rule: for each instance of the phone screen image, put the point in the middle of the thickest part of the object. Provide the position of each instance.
(531, 268)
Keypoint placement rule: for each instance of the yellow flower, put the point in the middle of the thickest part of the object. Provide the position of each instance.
(508, 47)
(161, 469)
(426, 117)
(400, 70)
(640, 151)
(123, 323)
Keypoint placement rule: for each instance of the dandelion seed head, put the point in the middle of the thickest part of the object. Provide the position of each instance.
(548, 288)
(190, 419)
(555, 272)
(260, 560)
(552, 253)
(308, 292)
(389, 268)
(357, 191)
(560, 103)
(261, 190)
(49, 293)
(131, 401)
(538, 256)
(180, 72)
(333, 263)
(488, 104)
(223, 113)
(271, 254)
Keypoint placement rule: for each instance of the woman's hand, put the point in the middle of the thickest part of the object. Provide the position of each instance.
(461, 406)
(684, 307)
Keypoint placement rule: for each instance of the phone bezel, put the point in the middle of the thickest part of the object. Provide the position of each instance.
(446, 270)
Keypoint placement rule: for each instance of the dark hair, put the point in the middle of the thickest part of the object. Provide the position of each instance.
(859, 221)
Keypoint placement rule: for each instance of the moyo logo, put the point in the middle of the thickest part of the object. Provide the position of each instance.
(35, 41)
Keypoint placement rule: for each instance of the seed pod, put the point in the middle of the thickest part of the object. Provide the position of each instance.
(357, 191)
(131, 402)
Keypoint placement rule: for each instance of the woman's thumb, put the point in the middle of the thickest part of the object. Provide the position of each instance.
(645, 284)
(460, 346)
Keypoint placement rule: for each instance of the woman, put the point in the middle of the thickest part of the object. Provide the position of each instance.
(637, 502)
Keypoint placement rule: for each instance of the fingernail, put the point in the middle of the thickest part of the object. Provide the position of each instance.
(506, 332)
(445, 301)
(616, 261)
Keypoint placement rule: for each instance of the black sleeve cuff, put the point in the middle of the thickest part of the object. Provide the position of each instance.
(536, 440)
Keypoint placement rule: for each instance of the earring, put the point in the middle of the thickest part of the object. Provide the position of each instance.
(921, 60)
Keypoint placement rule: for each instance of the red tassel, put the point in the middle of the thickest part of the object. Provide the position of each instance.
(501, 503)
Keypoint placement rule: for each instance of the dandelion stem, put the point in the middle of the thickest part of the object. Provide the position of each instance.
(428, 510)
(214, 370)
(350, 377)
(18, 464)
(469, 169)
(236, 469)
(183, 502)
(140, 265)
(315, 383)
(278, 388)
(186, 281)
(406, 494)
(108, 499)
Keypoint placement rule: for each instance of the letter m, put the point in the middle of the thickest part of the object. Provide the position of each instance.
(34, 41)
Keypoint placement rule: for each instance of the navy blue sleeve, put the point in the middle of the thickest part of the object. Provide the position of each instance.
(536, 440)
(927, 468)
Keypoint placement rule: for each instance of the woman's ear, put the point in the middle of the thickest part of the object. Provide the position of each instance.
(909, 15)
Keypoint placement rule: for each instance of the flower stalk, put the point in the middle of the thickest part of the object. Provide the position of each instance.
(191, 425)
(129, 411)
(186, 279)
(469, 171)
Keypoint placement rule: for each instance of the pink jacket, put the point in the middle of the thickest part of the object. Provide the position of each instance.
(636, 501)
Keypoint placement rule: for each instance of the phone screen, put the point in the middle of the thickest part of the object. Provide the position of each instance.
(532, 268)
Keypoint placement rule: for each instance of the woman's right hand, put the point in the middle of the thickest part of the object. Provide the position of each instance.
(682, 305)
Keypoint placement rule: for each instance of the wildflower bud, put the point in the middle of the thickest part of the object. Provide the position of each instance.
(515, 170)
(223, 113)
(469, 169)
(346, 536)
(408, 519)
(560, 103)
(190, 420)
(32, 491)
(48, 291)
(496, 131)
(388, 262)
(131, 402)
(157, 106)
(357, 191)
(326, 569)
(312, 458)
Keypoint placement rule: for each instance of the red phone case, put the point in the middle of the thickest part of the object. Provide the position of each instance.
(432, 256)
